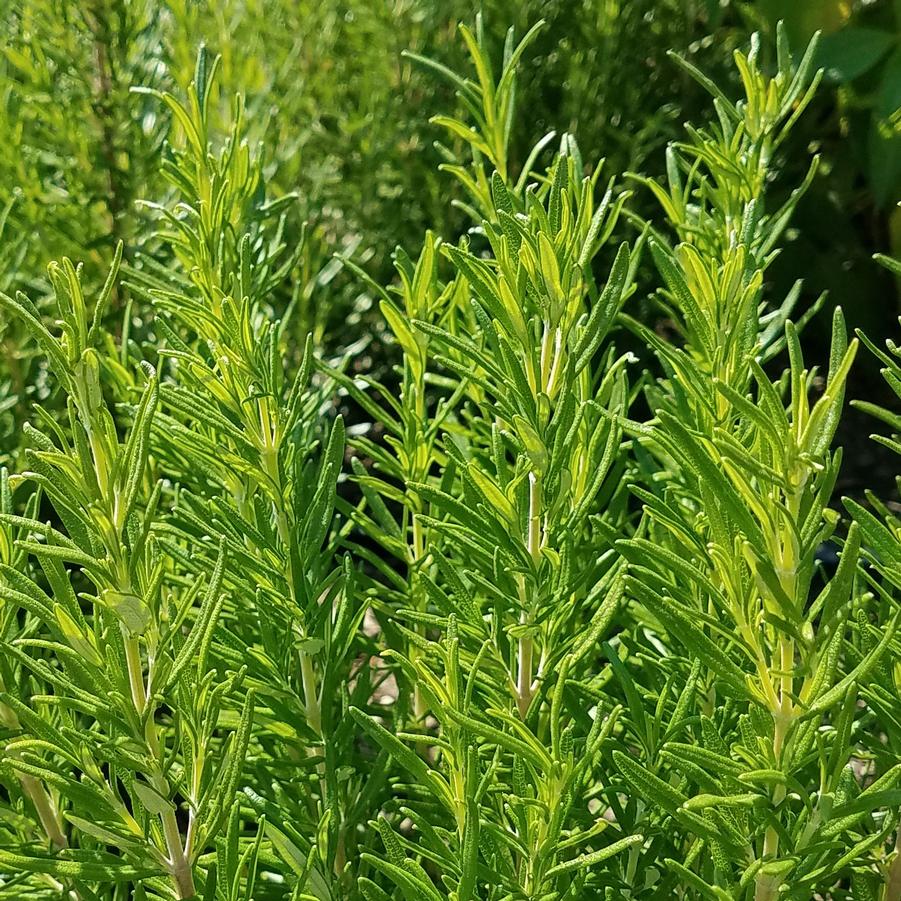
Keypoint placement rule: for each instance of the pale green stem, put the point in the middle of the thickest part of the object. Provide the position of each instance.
(311, 696)
(546, 358)
(46, 810)
(417, 550)
(182, 874)
(135, 672)
(100, 465)
(40, 798)
(524, 672)
(526, 646)
(179, 865)
(767, 887)
(556, 364)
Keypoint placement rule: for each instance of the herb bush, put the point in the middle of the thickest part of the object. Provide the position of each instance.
(541, 623)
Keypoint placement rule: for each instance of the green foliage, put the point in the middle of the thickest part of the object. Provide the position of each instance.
(116, 637)
(536, 624)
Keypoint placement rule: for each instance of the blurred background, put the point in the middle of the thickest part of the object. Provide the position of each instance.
(344, 120)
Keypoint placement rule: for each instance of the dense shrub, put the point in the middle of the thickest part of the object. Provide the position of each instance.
(506, 565)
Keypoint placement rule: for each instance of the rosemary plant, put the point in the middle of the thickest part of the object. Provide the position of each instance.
(726, 566)
(257, 475)
(534, 625)
(521, 450)
(879, 528)
(91, 694)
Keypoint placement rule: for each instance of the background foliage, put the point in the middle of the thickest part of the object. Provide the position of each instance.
(345, 120)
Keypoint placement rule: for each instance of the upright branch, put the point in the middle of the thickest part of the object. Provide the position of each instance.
(242, 430)
(124, 655)
(881, 569)
(730, 558)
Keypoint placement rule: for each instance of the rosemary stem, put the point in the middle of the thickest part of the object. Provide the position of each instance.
(311, 698)
(46, 810)
(524, 674)
(416, 552)
(182, 874)
(526, 645)
(767, 886)
(34, 789)
(179, 865)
